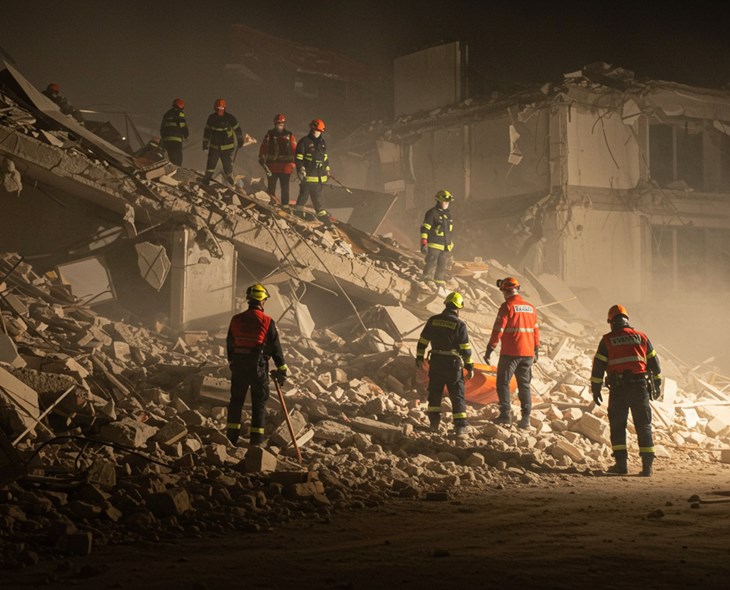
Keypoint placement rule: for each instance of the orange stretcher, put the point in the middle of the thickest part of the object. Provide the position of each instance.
(480, 389)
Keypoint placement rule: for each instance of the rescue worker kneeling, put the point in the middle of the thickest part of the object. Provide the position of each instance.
(252, 340)
(630, 361)
(450, 346)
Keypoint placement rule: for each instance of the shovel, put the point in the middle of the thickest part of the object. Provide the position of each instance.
(286, 415)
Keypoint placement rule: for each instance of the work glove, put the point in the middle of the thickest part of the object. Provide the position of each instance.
(262, 160)
(534, 360)
(597, 397)
(419, 362)
(488, 354)
(302, 174)
(658, 388)
(469, 371)
(205, 147)
(280, 376)
(424, 247)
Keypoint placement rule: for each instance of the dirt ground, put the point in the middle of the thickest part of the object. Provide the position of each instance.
(568, 531)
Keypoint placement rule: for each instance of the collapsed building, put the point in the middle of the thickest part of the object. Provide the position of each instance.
(121, 274)
(618, 186)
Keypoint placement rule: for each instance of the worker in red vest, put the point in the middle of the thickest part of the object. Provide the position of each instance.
(277, 156)
(516, 326)
(252, 340)
(632, 373)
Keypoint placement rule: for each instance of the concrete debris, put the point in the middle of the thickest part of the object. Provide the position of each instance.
(161, 390)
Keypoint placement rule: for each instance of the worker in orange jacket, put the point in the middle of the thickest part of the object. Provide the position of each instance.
(630, 362)
(516, 326)
(276, 154)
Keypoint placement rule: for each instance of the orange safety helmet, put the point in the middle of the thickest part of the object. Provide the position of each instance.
(178, 103)
(219, 105)
(53, 87)
(279, 119)
(616, 310)
(508, 284)
(317, 125)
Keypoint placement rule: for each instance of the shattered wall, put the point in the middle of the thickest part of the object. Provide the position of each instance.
(602, 150)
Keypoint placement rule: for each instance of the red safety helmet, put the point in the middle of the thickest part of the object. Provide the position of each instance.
(279, 119)
(53, 87)
(220, 105)
(317, 125)
(178, 103)
(616, 310)
(508, 284)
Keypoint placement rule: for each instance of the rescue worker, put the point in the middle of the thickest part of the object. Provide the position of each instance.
(450, 350)
(53, 91)
(436, 241)
(223, 135)
(313, 169)
(174, 130)
(277, 155)
(252, 340)
(630, 362)
(517, 328)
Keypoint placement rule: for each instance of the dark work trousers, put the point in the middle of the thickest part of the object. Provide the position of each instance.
(446, 371)
(283, 183)
(226, 158)
(174, 151)
(313, 190)
(249, 372)
(436, 263)
(621, 399)
(521, 368)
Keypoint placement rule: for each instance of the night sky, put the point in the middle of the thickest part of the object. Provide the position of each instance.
(140, 55)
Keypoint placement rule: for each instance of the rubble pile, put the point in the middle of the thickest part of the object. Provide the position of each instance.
(159, 466)
(116, 429)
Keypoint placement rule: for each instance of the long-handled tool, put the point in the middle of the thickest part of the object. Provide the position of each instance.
(266, 168)
(286, 415)
(338, 182)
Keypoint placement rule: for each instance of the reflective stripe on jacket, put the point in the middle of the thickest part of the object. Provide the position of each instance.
(624, 349)
(312, 156)
(437, 228)
(173, 126)
(277, 151)
(516, 326)
(447, 335)
(222, 132)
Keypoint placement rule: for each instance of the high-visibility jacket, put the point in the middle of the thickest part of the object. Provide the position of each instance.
(173, 126)
(516, 326)
(624, 350)
(277, 151)
(253, 334)
(437, 228)
(222, 132)
(312, 156)
(447, 335)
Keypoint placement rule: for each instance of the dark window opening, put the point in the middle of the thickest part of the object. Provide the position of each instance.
(675, 154)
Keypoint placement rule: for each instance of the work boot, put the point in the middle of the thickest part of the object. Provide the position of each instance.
(620, 467)
(462, 431)
(434, 425)
(646, 463)
(232, 434)
(524, 422)
(503, 419)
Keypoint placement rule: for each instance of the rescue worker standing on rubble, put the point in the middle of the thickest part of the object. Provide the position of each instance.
(436, 243)
(53, 91)
(450, 348)
(276, 154)
(517, 328)
(223, 136)
(174, 130)
(252, 340)
(313, 168)
(632, 371)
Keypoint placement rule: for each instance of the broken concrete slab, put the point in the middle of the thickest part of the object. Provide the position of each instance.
(19, 407)
(592, 428)
(281, 436)
(128, 432)
(172, 502)
(259, 460)
(386, 433)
